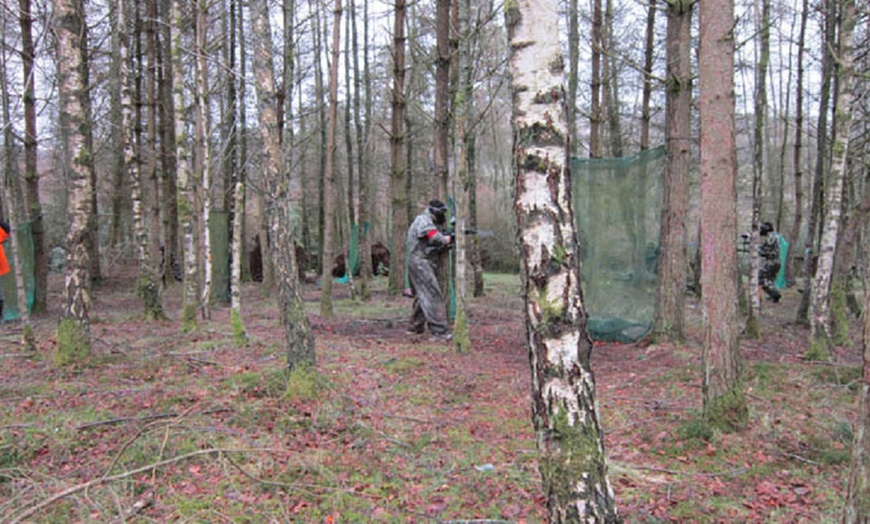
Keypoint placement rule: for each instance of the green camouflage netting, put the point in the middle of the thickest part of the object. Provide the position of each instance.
(617, 205)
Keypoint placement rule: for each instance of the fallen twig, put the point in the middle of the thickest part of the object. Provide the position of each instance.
(475, 521)
(690, 473)
(801, 459)
(145, 418)
(23, 516)
(194, 360)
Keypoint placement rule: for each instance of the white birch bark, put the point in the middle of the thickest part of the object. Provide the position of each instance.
(298, 337)
(569, 435)
(237, 247)
(204, 118)
(74, 336)
(820, 314)
(146, 286)
(186, 196)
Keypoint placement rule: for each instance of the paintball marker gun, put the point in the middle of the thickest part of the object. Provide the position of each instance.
(478, 233)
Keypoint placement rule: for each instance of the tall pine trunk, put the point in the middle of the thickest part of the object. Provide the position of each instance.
(753, 326)
(364, 215)
(460, 181)
(330, 187)
(670, 317)
(398, 160)
(797, 161)
(724, 400)
(31, 172)
(442, 98)
(13, 205)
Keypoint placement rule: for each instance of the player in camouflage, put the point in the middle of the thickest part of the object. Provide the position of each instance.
(425, 244)
(768, 250)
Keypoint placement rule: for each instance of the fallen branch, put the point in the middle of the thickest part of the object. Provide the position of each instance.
(22, 517)
(194, 360)
(689, 473)
(145, 418)
(475, 521)
(800, 458)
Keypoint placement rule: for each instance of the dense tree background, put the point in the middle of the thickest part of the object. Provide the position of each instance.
(610, 108)
(277, 129)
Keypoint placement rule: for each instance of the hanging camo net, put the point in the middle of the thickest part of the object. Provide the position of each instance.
(219, 237)
(24, 236)
(617, 204)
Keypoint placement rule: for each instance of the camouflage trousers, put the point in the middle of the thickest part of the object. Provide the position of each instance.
(428, 301)
(767, 279)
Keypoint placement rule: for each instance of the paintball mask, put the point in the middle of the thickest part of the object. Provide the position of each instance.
(438, 211)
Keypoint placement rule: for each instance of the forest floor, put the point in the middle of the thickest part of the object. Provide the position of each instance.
(171, 427)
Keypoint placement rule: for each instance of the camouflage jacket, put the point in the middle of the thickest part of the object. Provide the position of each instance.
(424, 240)
(769, 248)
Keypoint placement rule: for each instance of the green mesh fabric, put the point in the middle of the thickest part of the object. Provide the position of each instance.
(617, 204)
(783, 257)
(23, 233)
(219, 236)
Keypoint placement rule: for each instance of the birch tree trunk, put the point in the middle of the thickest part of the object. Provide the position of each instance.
(147, 285)
(186, 192)
(236, 206)
(330, 189)
(299, 340)
(73, 331)
(569, 435)
(670, 317)
(266, 261)
(236, 319)
(820, 326)
(822, 162)
(203, 117)
(724, 400)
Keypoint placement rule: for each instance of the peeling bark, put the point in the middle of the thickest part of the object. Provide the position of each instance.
(572, 466)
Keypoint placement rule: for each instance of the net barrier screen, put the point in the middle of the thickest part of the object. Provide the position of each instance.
(617, 203)
(24, 235)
